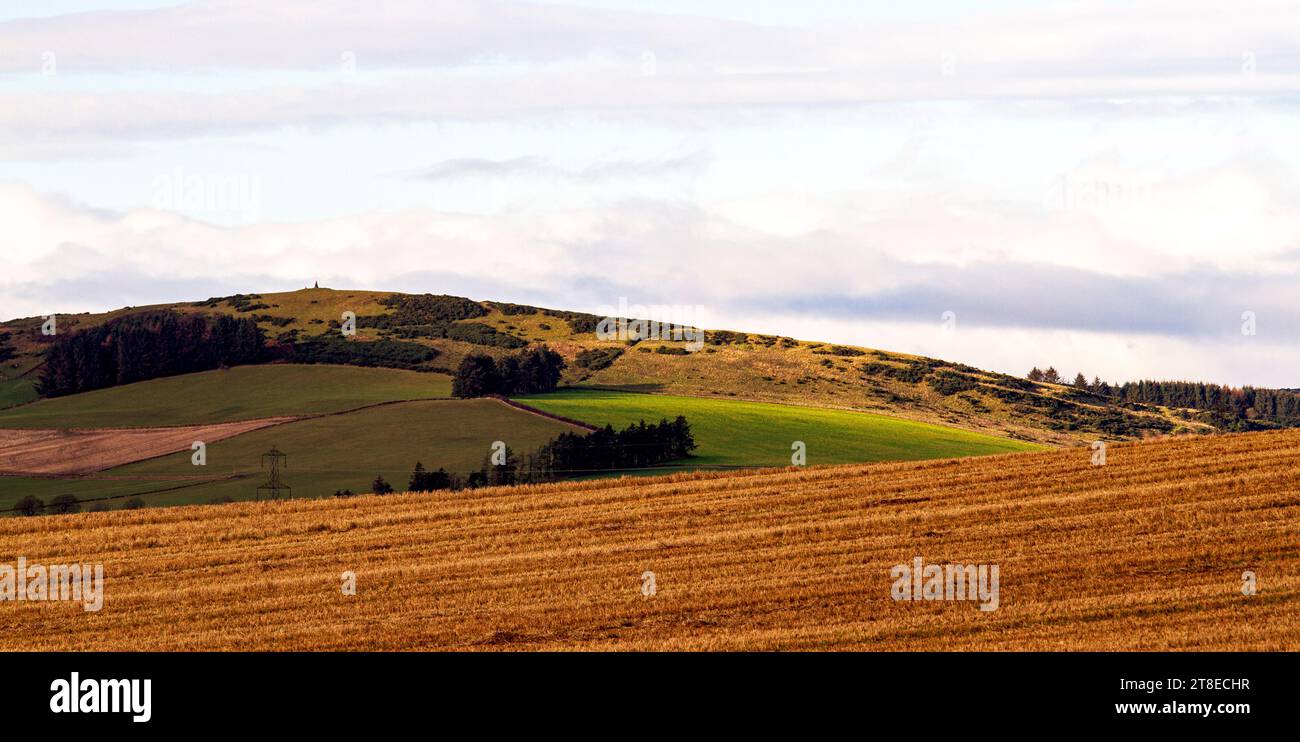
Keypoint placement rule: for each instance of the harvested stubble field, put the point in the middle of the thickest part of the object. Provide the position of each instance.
(1146, 552)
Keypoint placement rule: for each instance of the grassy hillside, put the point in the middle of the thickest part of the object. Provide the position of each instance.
(738, 433)
(328, 453)
(1145, 553)
(239, 393)
(17, 380)
(15, 392)
(739, 365)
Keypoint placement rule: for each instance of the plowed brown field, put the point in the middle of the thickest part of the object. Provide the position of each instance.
(86, 451)
(1146, 552)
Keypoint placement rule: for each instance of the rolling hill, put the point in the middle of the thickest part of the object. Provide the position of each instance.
(748, 396)
(304, 326)
(1145, 553)
(345, 450)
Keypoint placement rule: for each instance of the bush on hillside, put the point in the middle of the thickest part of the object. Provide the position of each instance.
(948, 383)
(597, 359)
(481, 334)
(333, 348)
(423, 309)
(840, 350)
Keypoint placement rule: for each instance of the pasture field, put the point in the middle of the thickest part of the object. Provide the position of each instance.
(238, 393)
(342, 451)
(328, 453)
(751, 434)
(1144, 553)
(14, 392)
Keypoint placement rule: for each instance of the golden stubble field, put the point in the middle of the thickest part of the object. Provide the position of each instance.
(1146, 552)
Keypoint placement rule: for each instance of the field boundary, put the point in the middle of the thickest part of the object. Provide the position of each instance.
(105, 498)
(543, 413)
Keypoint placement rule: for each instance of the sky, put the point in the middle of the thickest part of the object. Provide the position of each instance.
(1105, 187)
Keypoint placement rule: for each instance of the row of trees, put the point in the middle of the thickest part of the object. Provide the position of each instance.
(634, 447)
(529, 371)
(66, 504)
(147, 345)
(1276, 405)
(425, 480)
(572, 454)
(1052, 376)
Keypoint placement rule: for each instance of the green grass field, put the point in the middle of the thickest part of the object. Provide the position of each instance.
(239, 393)
(329, 453)
(347, 449)
(15, 392)
(736, 433)
(12, 489)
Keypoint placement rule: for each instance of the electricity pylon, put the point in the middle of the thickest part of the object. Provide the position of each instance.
(273, 485)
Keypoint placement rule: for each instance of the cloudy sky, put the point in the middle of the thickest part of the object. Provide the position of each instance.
(1103, 186)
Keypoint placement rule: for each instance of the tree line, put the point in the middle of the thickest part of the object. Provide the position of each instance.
(1274, 405)
(1277, 405)
(1052, 376)
(529, 371)
(147, 345)
(637, 446)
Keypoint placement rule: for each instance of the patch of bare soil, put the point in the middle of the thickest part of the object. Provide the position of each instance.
(77, 452)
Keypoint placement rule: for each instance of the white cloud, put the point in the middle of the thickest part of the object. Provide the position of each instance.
(543, 168)
(462, 59)
(831, 284)
(1106, 183)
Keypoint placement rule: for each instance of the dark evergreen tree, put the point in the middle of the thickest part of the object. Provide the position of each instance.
(64, 504)
(476, 377)
(147, 345)
(531, 371)
(29, 505)
(441, 480)
(495, 475)
(419, 481)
